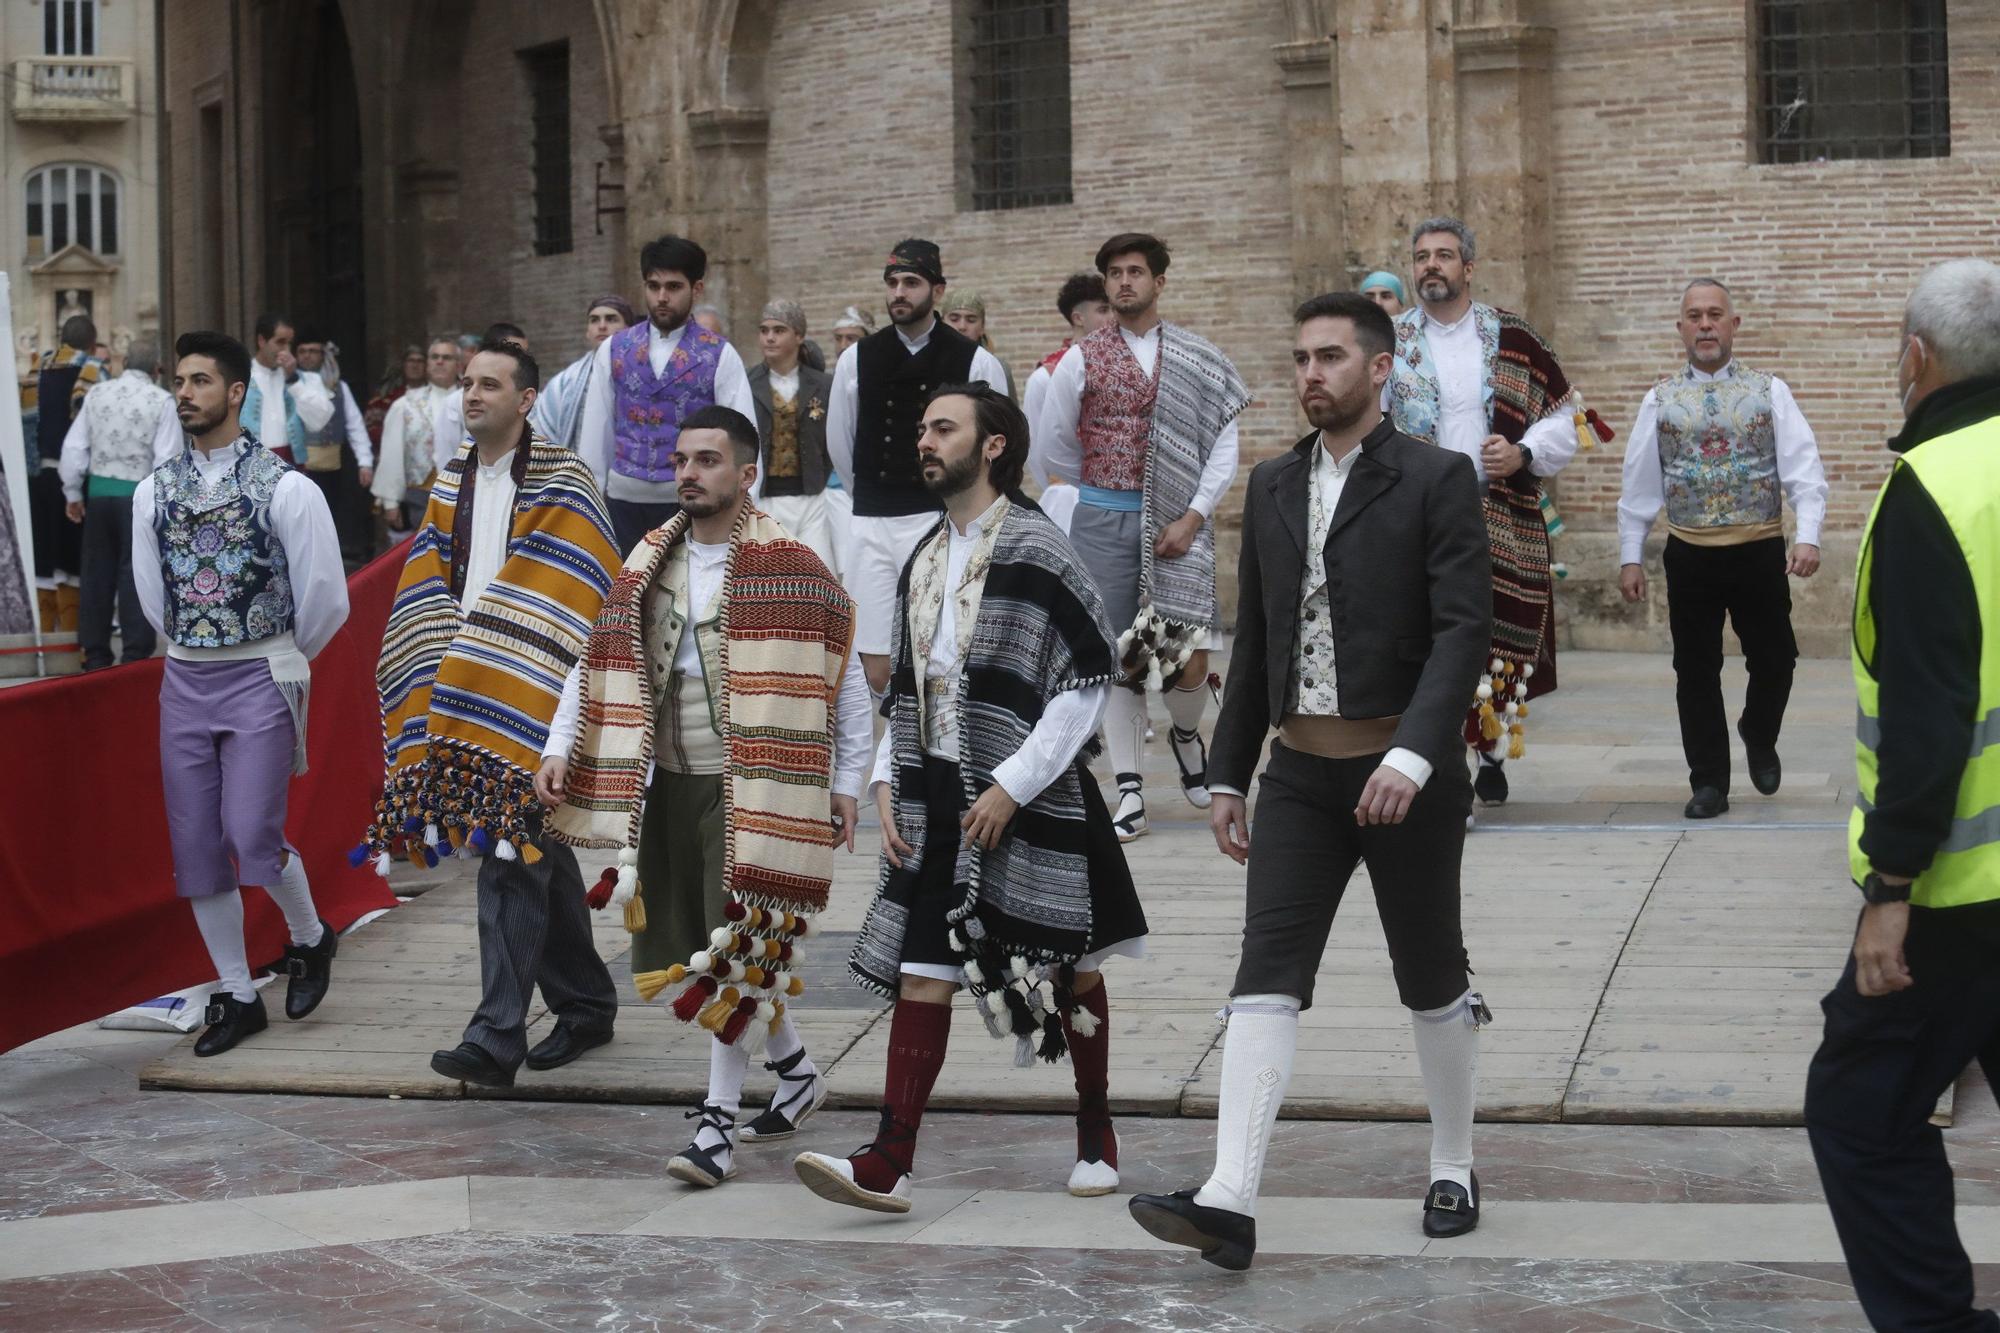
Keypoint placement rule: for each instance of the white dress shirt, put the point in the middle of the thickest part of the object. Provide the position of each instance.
(1463, 422)
(596, 434)
(396, 471)
(1069, 720)
(357, 429)
(1329, 479)
(130, 419)
(447, 427)
(1056, 447)
(309, 395)
(854, 716)
(1645, 490)
(843, 407)
(301, 523)
(492, 526)
(1033, 394)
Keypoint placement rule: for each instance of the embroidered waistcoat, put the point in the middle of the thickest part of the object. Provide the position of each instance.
(251, 418)
(225, 572)
(648, 409)
(323, 446)
(124, 415)
(1718, 449)
(784, 441)
(1115, 420)
(1312, 689)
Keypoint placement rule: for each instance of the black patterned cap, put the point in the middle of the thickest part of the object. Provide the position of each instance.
(915, 256)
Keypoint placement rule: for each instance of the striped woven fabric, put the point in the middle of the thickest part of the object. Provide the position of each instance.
(467, 697)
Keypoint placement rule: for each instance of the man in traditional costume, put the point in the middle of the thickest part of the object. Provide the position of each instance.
(283, 407)
(50, 403)
(1477, 380)
(1085, 309)
(408, 462)
(448, 417)
(850, 326)
(339, 457)
(1000, 870)
(501, 586)
(1713, 443)
(880, 386)
(1143, 416)
(559, 406)
(1361, 626)
(645, 381)
(237, 566)
(714, 723)
(793, 471)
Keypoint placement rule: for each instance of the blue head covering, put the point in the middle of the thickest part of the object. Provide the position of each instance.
(1382, 277)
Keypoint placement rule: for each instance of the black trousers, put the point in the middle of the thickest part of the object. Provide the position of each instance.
(58, 543)
(108, 585)
(534, 930)
(631, 520)
(1748, 584)
(1873, 1084)
(347, 501)
(1303, 850)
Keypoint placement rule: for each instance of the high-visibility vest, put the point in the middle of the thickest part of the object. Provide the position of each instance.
(1961, 474)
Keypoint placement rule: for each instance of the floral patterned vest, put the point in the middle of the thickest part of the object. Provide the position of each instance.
(226, 577)
(648, 409)
(1718, 449)
(1115, 423)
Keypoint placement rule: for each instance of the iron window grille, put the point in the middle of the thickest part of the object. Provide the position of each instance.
(548, 102)
(1018, 107)
(1852, 79)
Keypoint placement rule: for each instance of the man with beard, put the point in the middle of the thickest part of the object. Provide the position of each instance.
(1143, 417)
(649, 378)
(1362, 621)
(716, 720)
(237, 567)
(1478, 381)
(1000, 870)
(880, 386)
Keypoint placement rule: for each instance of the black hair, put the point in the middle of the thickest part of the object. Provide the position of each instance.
(1135, 242)
(1079, 288)
(1373, 328)
(503, 332)
(994, 413)
(527, 375)
(80, 332)
(741, 432)
(232, 358)
(674, 254)
(308, 334)
(270, 321)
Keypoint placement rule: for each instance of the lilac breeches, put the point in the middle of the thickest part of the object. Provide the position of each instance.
(226, 759)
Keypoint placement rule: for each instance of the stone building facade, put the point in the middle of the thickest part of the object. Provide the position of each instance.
(376, 163)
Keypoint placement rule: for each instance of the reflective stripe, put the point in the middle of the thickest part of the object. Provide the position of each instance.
(1868, 730)
(1973, 831)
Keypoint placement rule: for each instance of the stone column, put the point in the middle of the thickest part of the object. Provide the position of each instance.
(730, 221)
(1504, 132)
(1312, 129)
(1393, 76)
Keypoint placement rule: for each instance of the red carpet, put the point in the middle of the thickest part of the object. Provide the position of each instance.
(89, 921)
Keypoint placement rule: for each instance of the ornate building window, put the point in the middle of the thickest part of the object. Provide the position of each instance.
(1014, 106)
(69, 27)
(71, 203)
(548, 102)
(1851, 79)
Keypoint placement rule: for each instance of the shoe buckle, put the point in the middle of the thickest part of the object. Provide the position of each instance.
(215, 1012)
(1444, 1203)
(295, 968)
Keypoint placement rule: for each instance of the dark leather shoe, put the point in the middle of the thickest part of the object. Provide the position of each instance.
(1225, 1239)
(1706, 803)
(471, 1064)
(1489, 784)
(1765, 770)
(566, 1043)
(1450, 1209)
(230, 1020)
(311, 971)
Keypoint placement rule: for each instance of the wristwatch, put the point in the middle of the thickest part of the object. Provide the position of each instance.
(1875, 890)
(1527, 457)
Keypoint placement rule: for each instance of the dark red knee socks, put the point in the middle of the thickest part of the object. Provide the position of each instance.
(918, 1034)
(1096, 1141)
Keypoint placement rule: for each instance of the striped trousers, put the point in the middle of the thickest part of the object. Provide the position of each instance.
(534, 930)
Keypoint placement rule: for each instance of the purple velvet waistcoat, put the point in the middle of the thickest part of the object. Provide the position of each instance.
(648, 409)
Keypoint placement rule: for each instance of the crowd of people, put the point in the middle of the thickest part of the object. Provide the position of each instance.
(655, 604)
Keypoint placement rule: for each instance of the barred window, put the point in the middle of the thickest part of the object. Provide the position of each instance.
(548, 103)
(1017, 107)
(1852, 79)
(69, 27)
(71, 202)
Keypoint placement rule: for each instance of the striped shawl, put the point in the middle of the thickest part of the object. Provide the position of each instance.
(786, 629)
(1199, 394)
(1026, 917)
(467, 697)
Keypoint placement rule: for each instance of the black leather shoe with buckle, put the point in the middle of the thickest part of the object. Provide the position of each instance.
(230, 1020)
(310, 967)
(1450, 1209)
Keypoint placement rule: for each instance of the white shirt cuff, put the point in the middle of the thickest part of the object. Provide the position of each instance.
(1218, 789)
(1012, 776)
(1407, 762)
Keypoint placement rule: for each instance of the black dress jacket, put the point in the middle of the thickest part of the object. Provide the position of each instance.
(1409, 588)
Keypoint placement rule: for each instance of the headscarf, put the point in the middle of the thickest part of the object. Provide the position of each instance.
(916, 256)
(785, 312)
(854, 317)
(1382, 277)
(972, 303)
(618, 303)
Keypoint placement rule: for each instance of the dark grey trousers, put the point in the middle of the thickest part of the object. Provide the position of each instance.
(534, 930)
(107, 583)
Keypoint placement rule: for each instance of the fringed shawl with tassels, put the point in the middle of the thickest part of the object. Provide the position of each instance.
(786, 629)
(467, 696)
(1027, 915)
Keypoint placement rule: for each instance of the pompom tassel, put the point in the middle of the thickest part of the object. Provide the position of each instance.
(738, 1021)
(649, 984)
(688, 1003)
(1024, 1053)
(635, 916)
(598, 896)
(359, 856)
(505, 850)
(480, 841)
(1084, 1022)
(718, 1011)
(383, 864)
(1054, 1046)
(1517, 742)
(531, 854)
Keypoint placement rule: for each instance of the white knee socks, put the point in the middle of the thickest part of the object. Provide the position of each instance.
(1186, 704)
(294, 898)
(220, 918)
(1124, 729)
(727, 1063)
(1256, 1067)
(1448, 1054)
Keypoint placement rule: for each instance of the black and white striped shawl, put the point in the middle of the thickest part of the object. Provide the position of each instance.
(1041, 632)
(1199, 394)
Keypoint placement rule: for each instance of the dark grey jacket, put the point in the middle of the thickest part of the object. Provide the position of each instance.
(815, 392)
(1409, 589)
